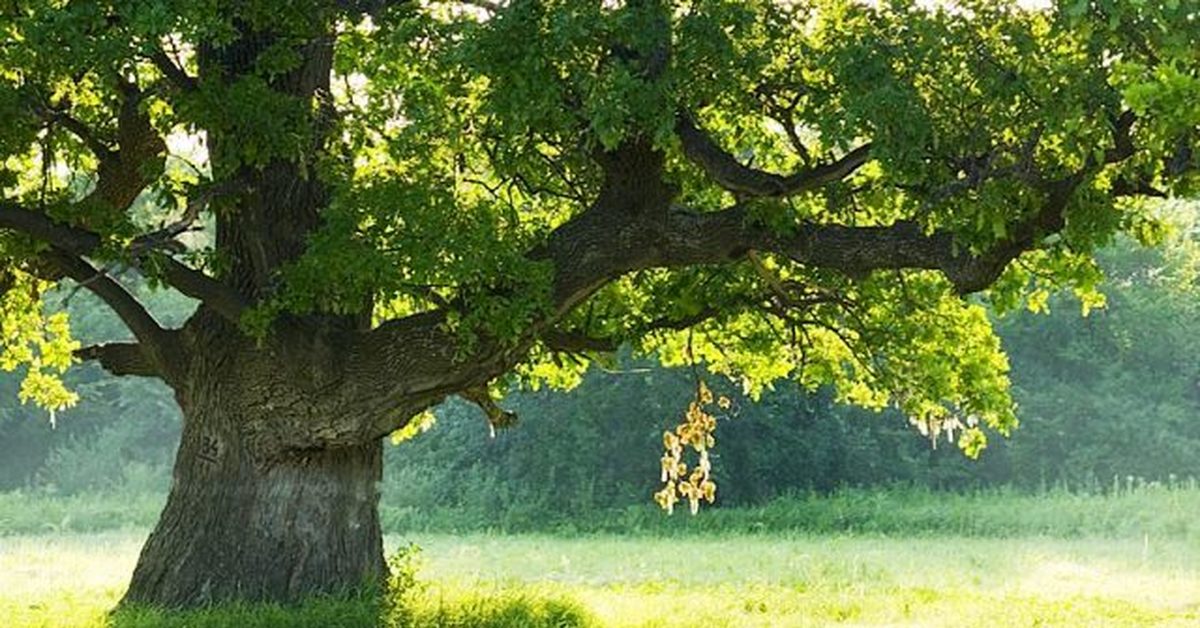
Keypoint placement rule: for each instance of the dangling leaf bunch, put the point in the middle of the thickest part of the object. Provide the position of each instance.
(694, 433)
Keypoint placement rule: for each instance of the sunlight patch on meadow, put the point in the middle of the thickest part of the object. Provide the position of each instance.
(72, 580)
(1056, 578)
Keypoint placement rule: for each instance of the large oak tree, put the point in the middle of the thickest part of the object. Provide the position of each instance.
(379, 204)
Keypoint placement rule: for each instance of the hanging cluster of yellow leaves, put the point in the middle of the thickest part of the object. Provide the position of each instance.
(696, 433)
(39, 342)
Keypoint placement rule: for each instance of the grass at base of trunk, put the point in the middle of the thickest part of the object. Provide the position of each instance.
(504, 609)
(714, 580)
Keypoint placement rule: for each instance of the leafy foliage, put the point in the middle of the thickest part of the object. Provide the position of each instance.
(438, 161)
(1107, 397)
(380, 204)
(39, 342)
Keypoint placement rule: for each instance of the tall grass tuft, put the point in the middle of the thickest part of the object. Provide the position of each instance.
(1160, 511)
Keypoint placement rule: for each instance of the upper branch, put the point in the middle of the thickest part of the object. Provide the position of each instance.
(81, 243)
(730, 174)
(170, 69)
(714, 237)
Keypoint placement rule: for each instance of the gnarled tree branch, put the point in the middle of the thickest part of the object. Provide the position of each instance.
(121, 358)
(125, 171)
(81, 243)
(176, 75)
(405, 365)
(730, 174)
(158, 347)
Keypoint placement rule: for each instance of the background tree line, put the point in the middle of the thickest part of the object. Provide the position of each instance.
(1102, 398)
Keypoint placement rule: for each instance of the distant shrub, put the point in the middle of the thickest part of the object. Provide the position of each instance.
(1159, 511)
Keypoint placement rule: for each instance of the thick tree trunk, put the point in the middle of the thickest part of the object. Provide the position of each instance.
(238, 527)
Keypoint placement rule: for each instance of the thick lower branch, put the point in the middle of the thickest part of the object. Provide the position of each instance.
(97, 281)
(410, 363)
(121, 359)
(158, 347)
(573, 342)
(414, 362)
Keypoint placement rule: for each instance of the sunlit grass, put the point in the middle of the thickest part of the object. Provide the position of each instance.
(719, 580)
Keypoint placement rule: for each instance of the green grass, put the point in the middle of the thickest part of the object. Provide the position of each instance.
(1157, 511)
(715, 580)
(863, 558)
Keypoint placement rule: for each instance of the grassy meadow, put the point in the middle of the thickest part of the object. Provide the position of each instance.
(1134, 562)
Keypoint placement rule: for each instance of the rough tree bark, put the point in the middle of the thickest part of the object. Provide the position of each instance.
(246, 518)
(236, 529)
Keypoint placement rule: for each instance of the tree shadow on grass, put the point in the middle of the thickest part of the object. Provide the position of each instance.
(504, 609)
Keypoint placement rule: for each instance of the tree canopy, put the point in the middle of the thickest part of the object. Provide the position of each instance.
(778, 189)
(381, 203)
